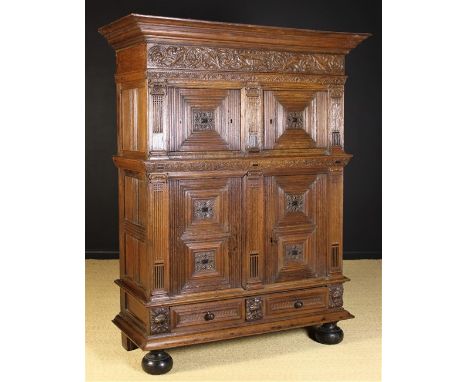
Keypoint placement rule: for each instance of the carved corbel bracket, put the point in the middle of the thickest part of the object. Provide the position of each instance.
(335, 91)
(254, 309)
(335, 296)
(335, 170)
(159, 181)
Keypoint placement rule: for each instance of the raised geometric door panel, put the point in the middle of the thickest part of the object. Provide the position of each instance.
(295, 227)
(205, 234)
(204, 119)
(295, 119)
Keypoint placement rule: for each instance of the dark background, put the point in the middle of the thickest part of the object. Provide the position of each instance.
(363, 106)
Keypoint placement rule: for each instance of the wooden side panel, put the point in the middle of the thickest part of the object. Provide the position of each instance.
(137, 311)
(133, 227)
(335, 221)
(132, 118)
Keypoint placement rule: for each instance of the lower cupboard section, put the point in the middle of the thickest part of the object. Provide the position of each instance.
(185, 324)
(250, 310)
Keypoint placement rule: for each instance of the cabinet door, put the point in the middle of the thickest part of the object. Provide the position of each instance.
(206, 213)
(295, 119)
(203, 119)
(296, 224)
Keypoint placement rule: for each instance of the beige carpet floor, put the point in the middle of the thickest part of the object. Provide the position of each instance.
(282, 356)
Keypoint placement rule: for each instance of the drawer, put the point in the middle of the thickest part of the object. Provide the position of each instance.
(210, 315)
(297, 302)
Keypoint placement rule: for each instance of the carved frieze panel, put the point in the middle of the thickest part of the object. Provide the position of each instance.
(204, 261)
(253, 309)
(245, 164)
(159, 320)
(176, 75)
(335, 296)
(249, 60)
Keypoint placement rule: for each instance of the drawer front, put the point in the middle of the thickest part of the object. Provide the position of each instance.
(286, 304)
(208, 315)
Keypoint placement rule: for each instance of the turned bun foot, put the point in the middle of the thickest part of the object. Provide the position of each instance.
(328, 334)
(157, 362)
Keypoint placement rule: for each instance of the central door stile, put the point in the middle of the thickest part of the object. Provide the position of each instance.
(253, 259)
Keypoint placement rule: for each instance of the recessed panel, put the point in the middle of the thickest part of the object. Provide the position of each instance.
(296, 227)
(295, 119)
(204, 119)
(206, 237)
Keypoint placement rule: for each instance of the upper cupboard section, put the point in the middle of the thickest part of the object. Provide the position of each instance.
(157, 119)
(187, 86)
(189, 119)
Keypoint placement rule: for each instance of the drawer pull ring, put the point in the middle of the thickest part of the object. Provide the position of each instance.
(298, 304)
(209, 316)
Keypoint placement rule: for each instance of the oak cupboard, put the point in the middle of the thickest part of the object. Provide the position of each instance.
(230, 159)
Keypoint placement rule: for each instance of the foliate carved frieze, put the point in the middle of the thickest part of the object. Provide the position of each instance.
(175, 75)
(328, 162)
(249, 60)
(335, 296)
(253, 309)
(159, 320)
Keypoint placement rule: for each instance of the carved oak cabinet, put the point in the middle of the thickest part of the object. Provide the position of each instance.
(230, 159)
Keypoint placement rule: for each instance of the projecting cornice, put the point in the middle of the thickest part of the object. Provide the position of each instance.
(135, 28)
